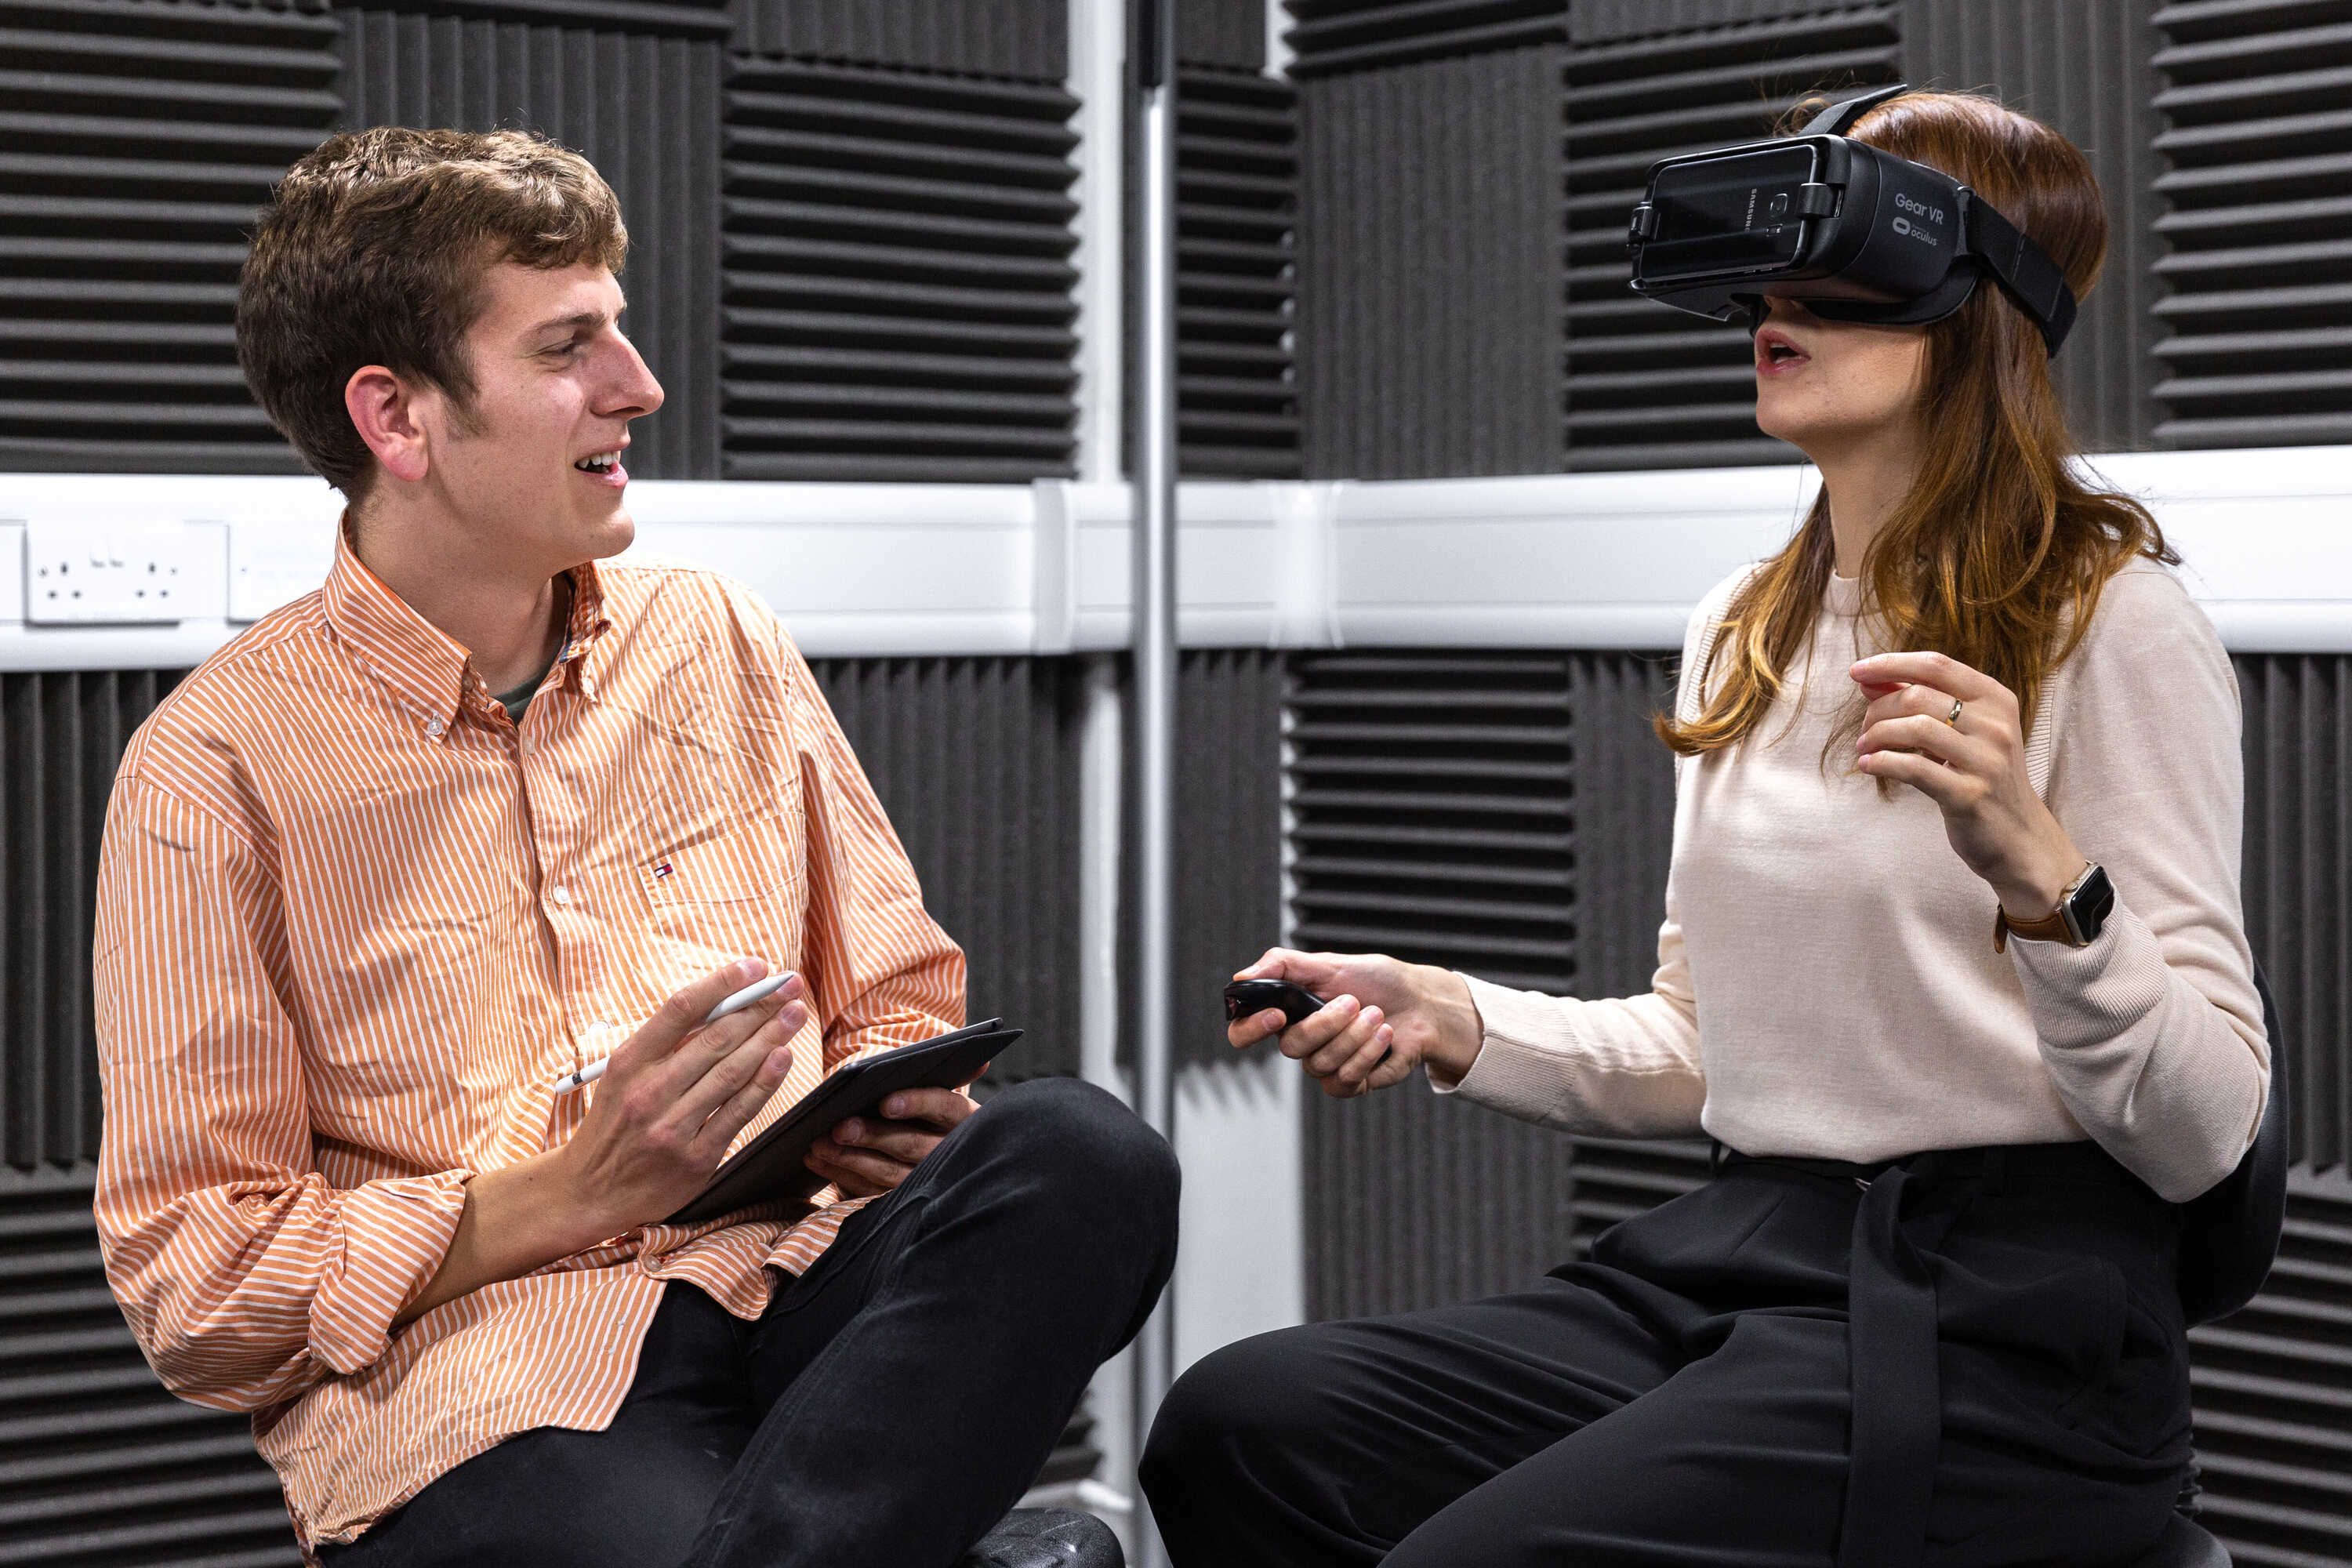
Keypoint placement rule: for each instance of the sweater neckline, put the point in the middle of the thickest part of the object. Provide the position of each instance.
(1843, 596)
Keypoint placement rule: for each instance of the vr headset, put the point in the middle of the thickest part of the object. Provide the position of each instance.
(1873, 238)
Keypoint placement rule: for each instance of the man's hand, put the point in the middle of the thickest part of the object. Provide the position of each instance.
(664, 1112)
(676, 1096)
(867, 1155)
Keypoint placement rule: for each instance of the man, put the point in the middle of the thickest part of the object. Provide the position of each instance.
(483, 811)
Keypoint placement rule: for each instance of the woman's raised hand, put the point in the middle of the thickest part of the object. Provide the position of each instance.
(1380, 1018)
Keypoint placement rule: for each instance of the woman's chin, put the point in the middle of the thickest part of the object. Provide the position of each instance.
(1801, 427)
(1777, 424)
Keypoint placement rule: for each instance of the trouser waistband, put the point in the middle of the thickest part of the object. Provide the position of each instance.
(1991, 1167)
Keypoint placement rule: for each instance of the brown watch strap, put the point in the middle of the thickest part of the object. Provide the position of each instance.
(2051, 927)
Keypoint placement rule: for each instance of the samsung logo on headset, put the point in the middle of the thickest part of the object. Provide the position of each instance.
(1905, 226)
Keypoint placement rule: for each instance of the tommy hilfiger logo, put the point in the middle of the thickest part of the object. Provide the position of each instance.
(661, 871)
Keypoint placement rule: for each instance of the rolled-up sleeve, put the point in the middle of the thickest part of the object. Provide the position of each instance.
(245, 1276)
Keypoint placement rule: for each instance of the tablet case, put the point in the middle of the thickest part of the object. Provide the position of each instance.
(772, 1165)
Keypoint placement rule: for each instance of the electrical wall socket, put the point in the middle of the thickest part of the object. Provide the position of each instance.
(78, 573)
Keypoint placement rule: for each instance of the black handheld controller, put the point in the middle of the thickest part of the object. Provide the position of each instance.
(1244, 997)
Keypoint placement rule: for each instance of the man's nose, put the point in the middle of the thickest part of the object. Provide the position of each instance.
(635, 392)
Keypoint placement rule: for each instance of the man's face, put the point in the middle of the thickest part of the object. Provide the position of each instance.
(555, 384)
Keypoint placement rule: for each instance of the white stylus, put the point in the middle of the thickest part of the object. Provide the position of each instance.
(735, 1004)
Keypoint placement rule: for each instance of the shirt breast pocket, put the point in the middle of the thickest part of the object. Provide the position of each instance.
(742, 862)
(738, 890)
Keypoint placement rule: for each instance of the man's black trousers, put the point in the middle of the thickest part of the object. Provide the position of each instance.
(1687, 1396)
(889, 1406)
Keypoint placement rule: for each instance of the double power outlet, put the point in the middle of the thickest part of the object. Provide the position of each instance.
(84, 572)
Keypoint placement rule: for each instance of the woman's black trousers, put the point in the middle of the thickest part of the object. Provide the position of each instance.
(1969, 1357)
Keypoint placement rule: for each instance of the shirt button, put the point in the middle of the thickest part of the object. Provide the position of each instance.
(432, 728)
(562, 894)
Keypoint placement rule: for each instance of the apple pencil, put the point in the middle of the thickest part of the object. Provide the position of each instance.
(735, 1004)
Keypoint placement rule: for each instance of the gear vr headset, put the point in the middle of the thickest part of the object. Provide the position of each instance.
(1868, 236)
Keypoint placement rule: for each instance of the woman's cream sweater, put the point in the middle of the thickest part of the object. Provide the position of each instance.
(1827, 984)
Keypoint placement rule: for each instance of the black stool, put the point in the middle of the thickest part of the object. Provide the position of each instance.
(1047, 1538)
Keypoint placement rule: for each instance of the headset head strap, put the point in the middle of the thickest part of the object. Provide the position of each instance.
(2023, 268)
(1834, 119)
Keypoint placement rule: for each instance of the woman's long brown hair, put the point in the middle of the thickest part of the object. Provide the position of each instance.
(1998, 554)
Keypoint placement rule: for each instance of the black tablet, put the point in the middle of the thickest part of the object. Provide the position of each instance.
(773, 1164)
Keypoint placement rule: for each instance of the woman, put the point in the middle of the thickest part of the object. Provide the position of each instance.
(1974, 1355)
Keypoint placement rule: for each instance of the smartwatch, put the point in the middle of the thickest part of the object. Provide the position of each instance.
(2081, 910)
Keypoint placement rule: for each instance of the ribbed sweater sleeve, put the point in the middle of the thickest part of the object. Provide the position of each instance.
(2154, 1031)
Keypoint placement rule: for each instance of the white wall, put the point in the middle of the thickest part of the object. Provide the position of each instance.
(1547, 561)
(1241, 1270)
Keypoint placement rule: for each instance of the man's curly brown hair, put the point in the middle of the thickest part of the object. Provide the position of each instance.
(374, 250)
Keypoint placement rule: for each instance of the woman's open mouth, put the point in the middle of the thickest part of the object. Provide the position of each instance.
(1777, 353)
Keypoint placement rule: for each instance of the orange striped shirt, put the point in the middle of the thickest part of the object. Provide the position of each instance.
(353, 922)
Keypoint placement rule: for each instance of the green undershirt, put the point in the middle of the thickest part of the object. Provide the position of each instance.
(516, 700)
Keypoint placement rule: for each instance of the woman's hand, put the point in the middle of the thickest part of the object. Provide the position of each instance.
(1975, 772)
(1380, 1019)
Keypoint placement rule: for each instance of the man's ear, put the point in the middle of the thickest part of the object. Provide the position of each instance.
(383, 409)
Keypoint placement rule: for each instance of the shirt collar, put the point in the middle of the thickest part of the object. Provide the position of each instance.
(427, 669)
(584, 631)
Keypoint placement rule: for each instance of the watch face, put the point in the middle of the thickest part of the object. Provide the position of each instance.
(2086, 911)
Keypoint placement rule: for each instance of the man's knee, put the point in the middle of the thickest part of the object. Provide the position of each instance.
(1089, 1150)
